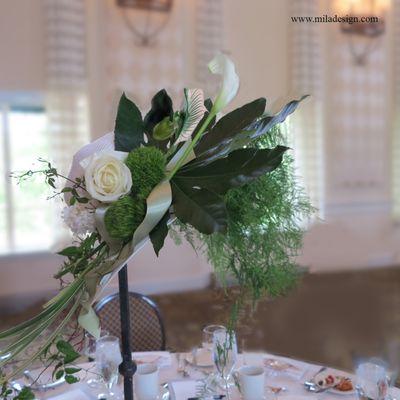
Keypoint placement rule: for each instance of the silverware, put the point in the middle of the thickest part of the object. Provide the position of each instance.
(312, 386)
(311, 381)
(315, 388)
(214, 397)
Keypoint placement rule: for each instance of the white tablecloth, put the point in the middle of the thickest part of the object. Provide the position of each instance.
(292, 381)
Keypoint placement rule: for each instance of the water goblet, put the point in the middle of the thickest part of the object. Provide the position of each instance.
(90, 351)
(208, 336)
(108, 358)
(225, 355)
(372, 381)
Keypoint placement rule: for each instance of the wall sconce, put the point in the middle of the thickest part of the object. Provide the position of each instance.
(363, 21)
(153, 16)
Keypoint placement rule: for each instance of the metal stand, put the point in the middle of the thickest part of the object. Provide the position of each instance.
(128, 366)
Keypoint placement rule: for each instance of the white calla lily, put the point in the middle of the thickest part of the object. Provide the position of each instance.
(223, 65)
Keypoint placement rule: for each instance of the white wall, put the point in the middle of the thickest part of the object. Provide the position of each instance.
(21, 45)
(257, 37)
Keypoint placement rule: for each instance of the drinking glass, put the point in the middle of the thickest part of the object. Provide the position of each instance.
(108, 358)
(225, 355)
(208, 336)
(372, 382)
(90, 351)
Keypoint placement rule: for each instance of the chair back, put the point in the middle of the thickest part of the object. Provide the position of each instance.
(147, 328)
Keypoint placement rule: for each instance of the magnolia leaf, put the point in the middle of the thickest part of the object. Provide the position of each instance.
(161, 107)
(201, 208)
(128, 126)
(240, 167)
(232, 140)
(223, 65)
(194, 109)
(265, 124)
(159, 233)
(229, 125)
(208, 104)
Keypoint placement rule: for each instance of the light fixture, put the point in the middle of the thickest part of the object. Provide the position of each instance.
(363, 21)
(145, 18)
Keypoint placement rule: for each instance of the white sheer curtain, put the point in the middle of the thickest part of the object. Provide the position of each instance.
(306, 124)
(66, 97)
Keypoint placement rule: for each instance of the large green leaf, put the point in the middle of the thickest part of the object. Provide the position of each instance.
(239, 168)
(128, 126)
(229, 125)
(161, 107)
(265, 124)
(201, 208)
(240, 138)
(159, 233)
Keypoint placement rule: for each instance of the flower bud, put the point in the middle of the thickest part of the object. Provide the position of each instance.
(164, 129)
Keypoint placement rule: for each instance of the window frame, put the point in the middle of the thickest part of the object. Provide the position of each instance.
(15, 101)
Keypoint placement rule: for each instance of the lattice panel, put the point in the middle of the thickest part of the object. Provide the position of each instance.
(142, 71)
(358, 128)
(307, 78)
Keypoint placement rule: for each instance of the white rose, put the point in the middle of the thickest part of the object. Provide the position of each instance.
(107, 178)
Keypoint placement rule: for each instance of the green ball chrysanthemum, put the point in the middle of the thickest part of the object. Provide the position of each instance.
(147, 166)
(124, 216)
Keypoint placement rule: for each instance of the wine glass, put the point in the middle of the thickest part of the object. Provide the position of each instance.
(108, 358)
(208, 336)
(225, 355)
(90, 351)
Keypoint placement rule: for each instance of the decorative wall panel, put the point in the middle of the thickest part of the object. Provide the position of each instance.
(307, 78)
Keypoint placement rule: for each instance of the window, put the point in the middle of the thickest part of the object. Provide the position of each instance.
(26, 217)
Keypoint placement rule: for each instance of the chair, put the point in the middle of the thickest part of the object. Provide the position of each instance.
(147, 327)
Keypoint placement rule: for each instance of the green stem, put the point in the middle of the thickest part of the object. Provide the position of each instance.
(57, 331)
(192, 144)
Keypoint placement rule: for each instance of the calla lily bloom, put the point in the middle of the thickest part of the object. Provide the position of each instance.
(223, 65)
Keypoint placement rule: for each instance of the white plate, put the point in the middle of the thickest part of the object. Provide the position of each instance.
(324, 374)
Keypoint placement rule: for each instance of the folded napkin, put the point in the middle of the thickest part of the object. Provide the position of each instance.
(183, 390)
(161, 358)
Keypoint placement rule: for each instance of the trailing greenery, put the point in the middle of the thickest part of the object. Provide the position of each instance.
(265, 229)
(147, 166)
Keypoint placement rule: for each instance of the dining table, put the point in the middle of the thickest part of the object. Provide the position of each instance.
(178, 378)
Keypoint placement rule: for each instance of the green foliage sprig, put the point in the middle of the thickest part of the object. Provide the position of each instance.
(265, 229)
(75, 189)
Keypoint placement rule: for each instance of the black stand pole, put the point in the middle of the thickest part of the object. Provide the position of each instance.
(128, 366)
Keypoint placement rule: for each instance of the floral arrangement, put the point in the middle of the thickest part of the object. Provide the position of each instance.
(184, 171)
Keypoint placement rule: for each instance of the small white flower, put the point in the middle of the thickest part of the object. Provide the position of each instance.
(223, 65)
(107, 178)
(79, 219)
